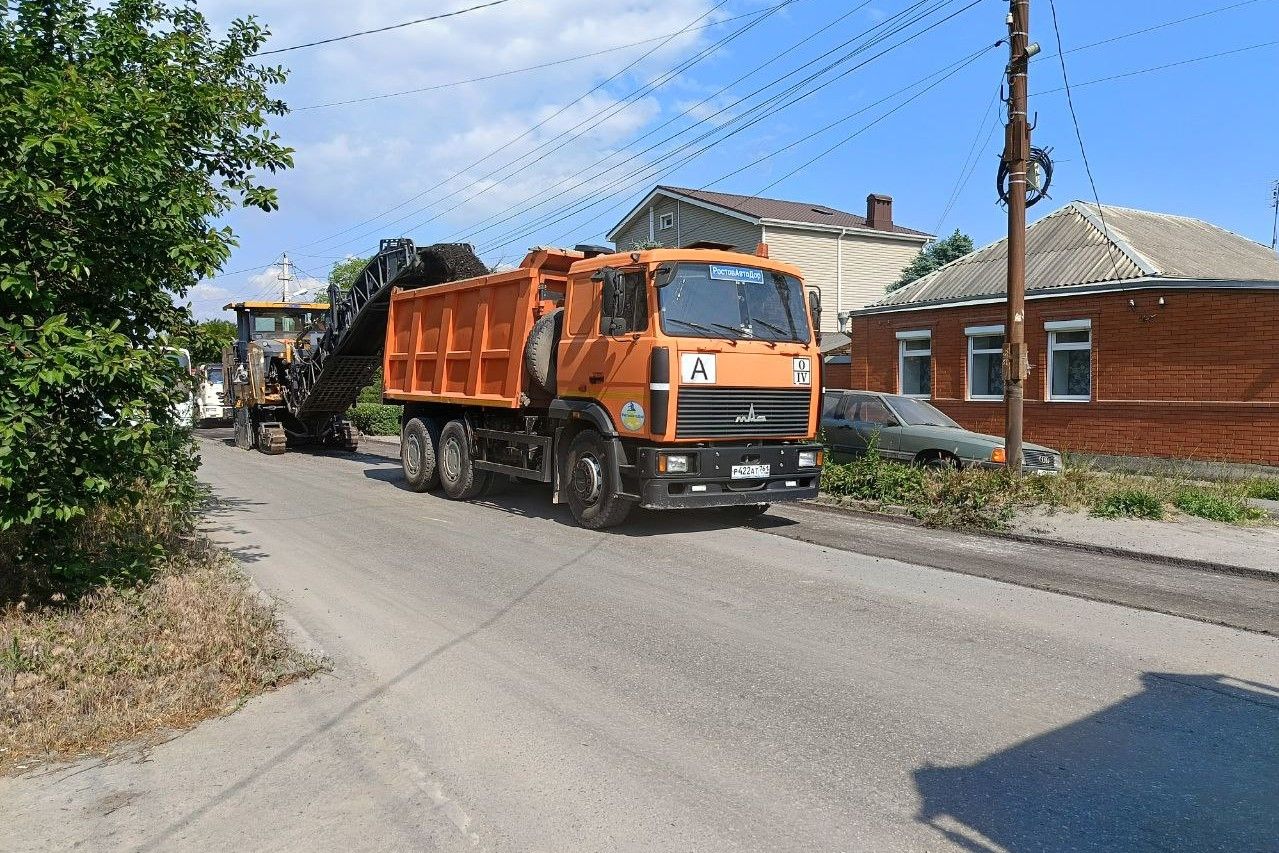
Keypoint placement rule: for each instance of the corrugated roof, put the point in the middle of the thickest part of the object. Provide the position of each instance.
(792, 211)
(1068, 248)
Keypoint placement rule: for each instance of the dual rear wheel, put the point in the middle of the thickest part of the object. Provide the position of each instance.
(442, 457)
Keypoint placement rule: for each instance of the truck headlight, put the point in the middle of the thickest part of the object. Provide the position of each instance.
(810, 459)
(672, 463)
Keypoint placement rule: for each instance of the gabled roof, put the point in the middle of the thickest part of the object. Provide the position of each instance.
(764, 210)
(1075, 248)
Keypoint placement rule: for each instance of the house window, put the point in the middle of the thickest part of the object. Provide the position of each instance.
(915, 363)
(666, 221)
(1070, 360)
(985, 362)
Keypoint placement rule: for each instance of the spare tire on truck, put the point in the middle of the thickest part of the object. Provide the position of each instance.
(540, 351)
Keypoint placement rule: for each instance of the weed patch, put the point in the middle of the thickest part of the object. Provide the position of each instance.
(134, 664)
(1265, 489)
(1223, 507)
(1129, 503)
(375, 418)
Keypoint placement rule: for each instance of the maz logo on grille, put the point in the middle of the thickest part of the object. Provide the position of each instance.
(750, 417)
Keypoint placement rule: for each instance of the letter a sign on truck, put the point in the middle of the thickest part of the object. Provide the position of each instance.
(697, 368)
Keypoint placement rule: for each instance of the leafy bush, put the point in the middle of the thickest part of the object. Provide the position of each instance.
(375, 418)
(127, 128)
(969, 498)
(872, 478)
(1228, 508)
(1266, 489)
(1129, 503)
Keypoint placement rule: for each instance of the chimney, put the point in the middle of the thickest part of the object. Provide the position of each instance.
(879, 212)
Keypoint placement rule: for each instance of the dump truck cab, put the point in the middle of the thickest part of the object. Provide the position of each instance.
(704, 363)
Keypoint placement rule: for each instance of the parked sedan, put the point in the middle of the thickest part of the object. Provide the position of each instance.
(915, 431)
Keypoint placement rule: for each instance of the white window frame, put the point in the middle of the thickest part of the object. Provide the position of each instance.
(978, 332)
(1052, 327)
(914, 335)
(665, 221)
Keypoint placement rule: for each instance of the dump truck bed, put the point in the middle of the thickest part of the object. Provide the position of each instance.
(463, 342)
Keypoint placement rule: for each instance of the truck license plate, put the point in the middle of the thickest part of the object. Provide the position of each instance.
(750, 472)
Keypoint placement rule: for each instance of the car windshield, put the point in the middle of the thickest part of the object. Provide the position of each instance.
(722, 300)
(918, 413)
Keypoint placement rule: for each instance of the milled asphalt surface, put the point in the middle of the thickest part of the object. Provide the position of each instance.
(503, 680)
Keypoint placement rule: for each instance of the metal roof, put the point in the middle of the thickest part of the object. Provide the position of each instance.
(1076, 246)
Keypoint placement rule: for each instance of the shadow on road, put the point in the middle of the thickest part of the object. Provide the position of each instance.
(533, 500)
(1189, 763)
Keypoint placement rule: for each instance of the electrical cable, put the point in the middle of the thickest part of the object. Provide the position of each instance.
(513, 71)
(550, 146)
(505, 216)
(506, 144)
(972, 155)
(646, 172)
(767, 105)
(1110, 246)
(1163, 67)
(438, 17)
(661, 170)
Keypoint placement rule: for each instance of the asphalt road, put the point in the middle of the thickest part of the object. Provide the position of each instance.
(503, 680)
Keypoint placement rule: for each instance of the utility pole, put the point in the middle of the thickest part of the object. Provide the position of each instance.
(1017, 158)
(285, 276)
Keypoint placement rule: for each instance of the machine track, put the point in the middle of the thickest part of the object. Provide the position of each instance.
(272, 439)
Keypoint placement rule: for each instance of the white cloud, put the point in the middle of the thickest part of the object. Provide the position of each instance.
(357, 161)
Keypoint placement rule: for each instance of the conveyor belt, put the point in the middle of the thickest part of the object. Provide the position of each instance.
(325, 380)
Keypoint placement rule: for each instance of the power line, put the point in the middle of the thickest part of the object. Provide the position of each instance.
(769, 107)
(947, 72)
(383, 29)
(506, 144)
(537, 67)
(497, 219)
(649, 171)
(1163, 67)
(550, 146)
(1079, 136)
(1155, 27)
(972, 156)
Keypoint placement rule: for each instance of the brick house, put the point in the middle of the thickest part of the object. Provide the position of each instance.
(850, 258)
(1148, 335)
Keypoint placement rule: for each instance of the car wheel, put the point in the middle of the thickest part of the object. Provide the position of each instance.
(591, 497)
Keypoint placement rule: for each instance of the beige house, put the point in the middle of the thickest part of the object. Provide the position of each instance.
(850, 258)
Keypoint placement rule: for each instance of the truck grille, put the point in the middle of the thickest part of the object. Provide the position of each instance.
(741, 412)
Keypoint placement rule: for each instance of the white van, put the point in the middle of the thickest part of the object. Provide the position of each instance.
(210, 397)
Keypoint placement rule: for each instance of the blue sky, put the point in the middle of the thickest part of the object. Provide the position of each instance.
(1199, 139)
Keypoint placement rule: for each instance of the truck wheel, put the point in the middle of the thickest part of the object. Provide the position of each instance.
(455, 465)
(586, 473)
(417, 455)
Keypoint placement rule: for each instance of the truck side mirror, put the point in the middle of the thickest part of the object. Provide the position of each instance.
(815, 308)
(611, 295)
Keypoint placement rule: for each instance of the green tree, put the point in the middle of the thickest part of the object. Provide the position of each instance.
(207, 339)
(936, 254)
(345, 272)
(124, 130)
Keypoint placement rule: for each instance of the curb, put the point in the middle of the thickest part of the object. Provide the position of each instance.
(1083, 547)
(381, 439)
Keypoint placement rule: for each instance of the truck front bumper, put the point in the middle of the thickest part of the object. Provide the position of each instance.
(710, 482)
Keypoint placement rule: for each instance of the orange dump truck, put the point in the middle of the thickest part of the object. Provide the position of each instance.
(665, 378)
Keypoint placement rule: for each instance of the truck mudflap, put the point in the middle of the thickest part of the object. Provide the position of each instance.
(727, 475)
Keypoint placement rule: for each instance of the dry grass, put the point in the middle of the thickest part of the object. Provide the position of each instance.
(134, 665)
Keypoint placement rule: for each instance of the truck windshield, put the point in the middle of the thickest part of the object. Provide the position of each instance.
(723, 300)
(272, 324)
